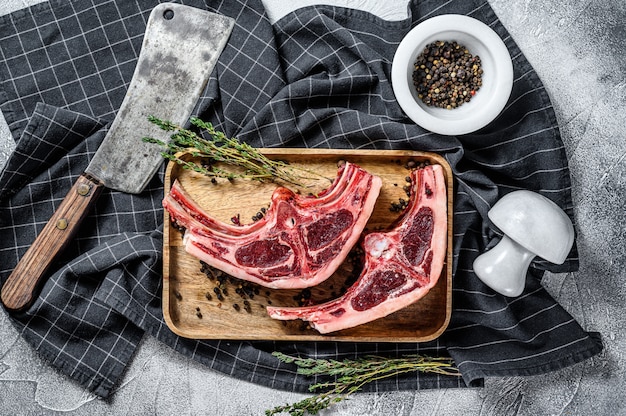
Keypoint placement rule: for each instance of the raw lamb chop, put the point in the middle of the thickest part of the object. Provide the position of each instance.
(401, 265)
(299, 242)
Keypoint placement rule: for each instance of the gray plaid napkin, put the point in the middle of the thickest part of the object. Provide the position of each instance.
(318, 78)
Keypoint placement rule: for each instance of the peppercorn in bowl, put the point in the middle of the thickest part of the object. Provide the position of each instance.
(452, 74)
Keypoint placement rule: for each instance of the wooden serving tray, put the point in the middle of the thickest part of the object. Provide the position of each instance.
(190, 313)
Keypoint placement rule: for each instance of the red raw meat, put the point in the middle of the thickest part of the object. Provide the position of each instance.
(401, 265)
(299, 242)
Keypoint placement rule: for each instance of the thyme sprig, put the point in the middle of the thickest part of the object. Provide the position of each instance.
(351, 375)
(220, 148)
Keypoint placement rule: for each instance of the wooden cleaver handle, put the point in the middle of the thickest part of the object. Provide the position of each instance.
(20, 289)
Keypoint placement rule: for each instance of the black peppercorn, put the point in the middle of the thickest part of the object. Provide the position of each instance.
(446, 75)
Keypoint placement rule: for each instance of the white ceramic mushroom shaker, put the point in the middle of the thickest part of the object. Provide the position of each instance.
(532, 226)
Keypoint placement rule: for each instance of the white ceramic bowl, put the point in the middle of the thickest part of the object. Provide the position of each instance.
(497, 78)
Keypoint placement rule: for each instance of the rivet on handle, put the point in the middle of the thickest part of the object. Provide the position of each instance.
(83, 189)
(62, 224)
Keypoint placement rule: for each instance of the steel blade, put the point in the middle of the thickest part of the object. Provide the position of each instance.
(180, 49)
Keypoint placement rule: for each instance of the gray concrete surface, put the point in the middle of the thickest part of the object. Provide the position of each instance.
(577, 47)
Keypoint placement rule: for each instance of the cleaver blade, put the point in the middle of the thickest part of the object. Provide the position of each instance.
(179, 51)
(180, 48)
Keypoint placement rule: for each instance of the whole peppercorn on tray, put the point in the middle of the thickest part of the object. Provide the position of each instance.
(204, 303)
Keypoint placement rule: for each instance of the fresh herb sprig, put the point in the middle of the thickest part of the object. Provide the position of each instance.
(351, 375)
(220, 148)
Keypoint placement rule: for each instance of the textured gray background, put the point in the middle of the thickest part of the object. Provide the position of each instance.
(577, 47)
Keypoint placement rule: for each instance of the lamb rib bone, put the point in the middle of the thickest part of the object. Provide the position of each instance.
(401, 265)
(300, 241)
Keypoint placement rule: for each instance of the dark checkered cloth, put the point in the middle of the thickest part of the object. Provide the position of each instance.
(317, 78)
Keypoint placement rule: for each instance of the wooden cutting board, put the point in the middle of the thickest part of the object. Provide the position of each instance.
(194, 308)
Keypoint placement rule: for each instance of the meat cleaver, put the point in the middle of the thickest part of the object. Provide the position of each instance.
(180, 48)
